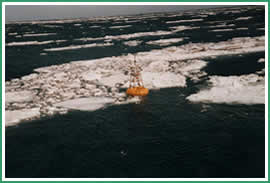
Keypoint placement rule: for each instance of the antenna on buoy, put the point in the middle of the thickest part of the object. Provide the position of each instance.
(136, 87)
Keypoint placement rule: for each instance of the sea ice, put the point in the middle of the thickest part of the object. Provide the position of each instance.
(73, 47)
(120, 26)
(15, 116)
(132, 43)
(33, 42)
(221, 30)
(261, 60)
(245, 89)
(182, 28)
(19, 96)
(165, 42)
(243, 18)
(86, 104)
(182, 21)
(37, 35)
(162, 68)
(154, 80)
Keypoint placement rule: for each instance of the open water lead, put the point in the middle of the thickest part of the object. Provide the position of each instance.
(136, 87)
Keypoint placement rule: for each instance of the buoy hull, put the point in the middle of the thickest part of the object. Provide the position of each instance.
(137, 91)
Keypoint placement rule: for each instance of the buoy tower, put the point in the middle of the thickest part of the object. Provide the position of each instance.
(136, 87)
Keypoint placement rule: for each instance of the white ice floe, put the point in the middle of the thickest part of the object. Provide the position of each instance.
(120, 27)
(261, 60)
(128, 36)
(52, 26)
(90, 39)
(221, 25)
(183, 21)
(37, 35)
(132, 43)
(15, 116)
(155, 80)
(20, 96)
(245, 89)
(243, 18)
(86, 104)
(33, 43)
(157, 66)
(74, 47)
(175, 15)
(221, 30)
(233, 12)
(40, 22)
(95, 26)
(191, 69)
(139, 34)
(242, 28)
(182, 28)
(165, 42)
(12, 33)
(113, 79)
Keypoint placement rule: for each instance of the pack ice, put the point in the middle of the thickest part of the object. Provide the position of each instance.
(93, 84)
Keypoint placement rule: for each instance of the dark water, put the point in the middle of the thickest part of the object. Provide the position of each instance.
(235, 64)
(163, 136)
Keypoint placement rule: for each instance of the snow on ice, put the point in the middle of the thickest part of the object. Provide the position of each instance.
(245, 89)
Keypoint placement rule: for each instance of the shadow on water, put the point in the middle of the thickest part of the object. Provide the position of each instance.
(164, 136)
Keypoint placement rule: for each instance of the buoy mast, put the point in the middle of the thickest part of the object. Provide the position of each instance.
(136, 87)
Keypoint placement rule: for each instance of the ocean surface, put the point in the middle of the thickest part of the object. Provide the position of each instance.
(165, 135)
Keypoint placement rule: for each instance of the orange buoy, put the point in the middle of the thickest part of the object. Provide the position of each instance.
(137, 91)
(136, 87)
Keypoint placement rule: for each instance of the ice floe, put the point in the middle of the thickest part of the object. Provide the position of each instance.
(120, 27)
(242, 28)
(20, 96)
(86, 104)
(12, 33)
(183, 21)
(165, 42)
(261, 60)
(132, 43)
(245, 89)
(74, 47)
(182, 28)
(155, 80)
(37, 35)
(221, 30)
(15, 116)
(52, 26)
(95, 26)
(139, 34)
(221, 25)
(34, 42)
(128, 36)
(243, 18)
